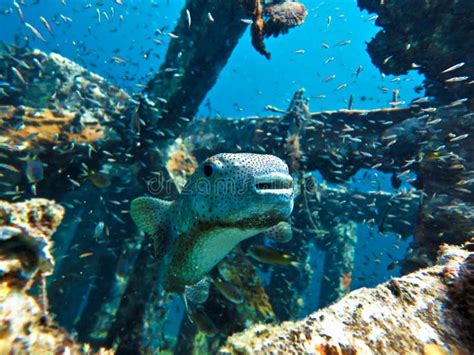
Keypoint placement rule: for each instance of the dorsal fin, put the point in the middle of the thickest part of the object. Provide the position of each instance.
(150, 214)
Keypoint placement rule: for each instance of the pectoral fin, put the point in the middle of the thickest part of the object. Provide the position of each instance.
(280, 233)
(150, 214)
(197, 293)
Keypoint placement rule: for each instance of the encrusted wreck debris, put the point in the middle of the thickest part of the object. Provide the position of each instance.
(61, 113)
(428, 309)
(25, 256)
(55, 82)
(411, 39)
(273, 19)
(281, 16)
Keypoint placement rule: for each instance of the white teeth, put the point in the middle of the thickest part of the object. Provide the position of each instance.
(275, 183)
(275, 176)
(275, 191)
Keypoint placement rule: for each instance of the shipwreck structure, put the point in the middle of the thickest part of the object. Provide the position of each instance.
(97, 139)
(429, 311)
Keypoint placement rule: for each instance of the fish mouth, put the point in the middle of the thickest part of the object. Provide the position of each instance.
(274, 183)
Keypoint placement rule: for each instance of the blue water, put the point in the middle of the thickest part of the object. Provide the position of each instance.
(249, 81)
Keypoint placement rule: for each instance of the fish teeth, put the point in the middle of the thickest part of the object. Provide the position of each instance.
(274, 182)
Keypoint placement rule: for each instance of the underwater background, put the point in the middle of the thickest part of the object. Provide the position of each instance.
(248, 81)
(375, 205)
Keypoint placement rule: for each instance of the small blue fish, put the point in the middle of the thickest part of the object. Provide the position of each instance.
(228, 290)
(99, 230)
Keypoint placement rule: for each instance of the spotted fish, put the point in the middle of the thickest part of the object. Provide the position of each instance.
(229, 198)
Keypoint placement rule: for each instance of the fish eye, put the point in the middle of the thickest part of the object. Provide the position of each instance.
(208, 169)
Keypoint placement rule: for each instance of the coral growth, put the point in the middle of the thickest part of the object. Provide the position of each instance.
(274, 19)
(180, 163)
(293, 146)
(257, 30)
(237, 270)
(22, 331)
(25, 233)
(468, 284)
(280, 17)
(40, 126)
(460, 278)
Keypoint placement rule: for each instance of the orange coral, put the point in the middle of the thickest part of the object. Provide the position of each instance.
(293, 148)
(180, 163)
(40, 126)
(346, 280)
(258, 30)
